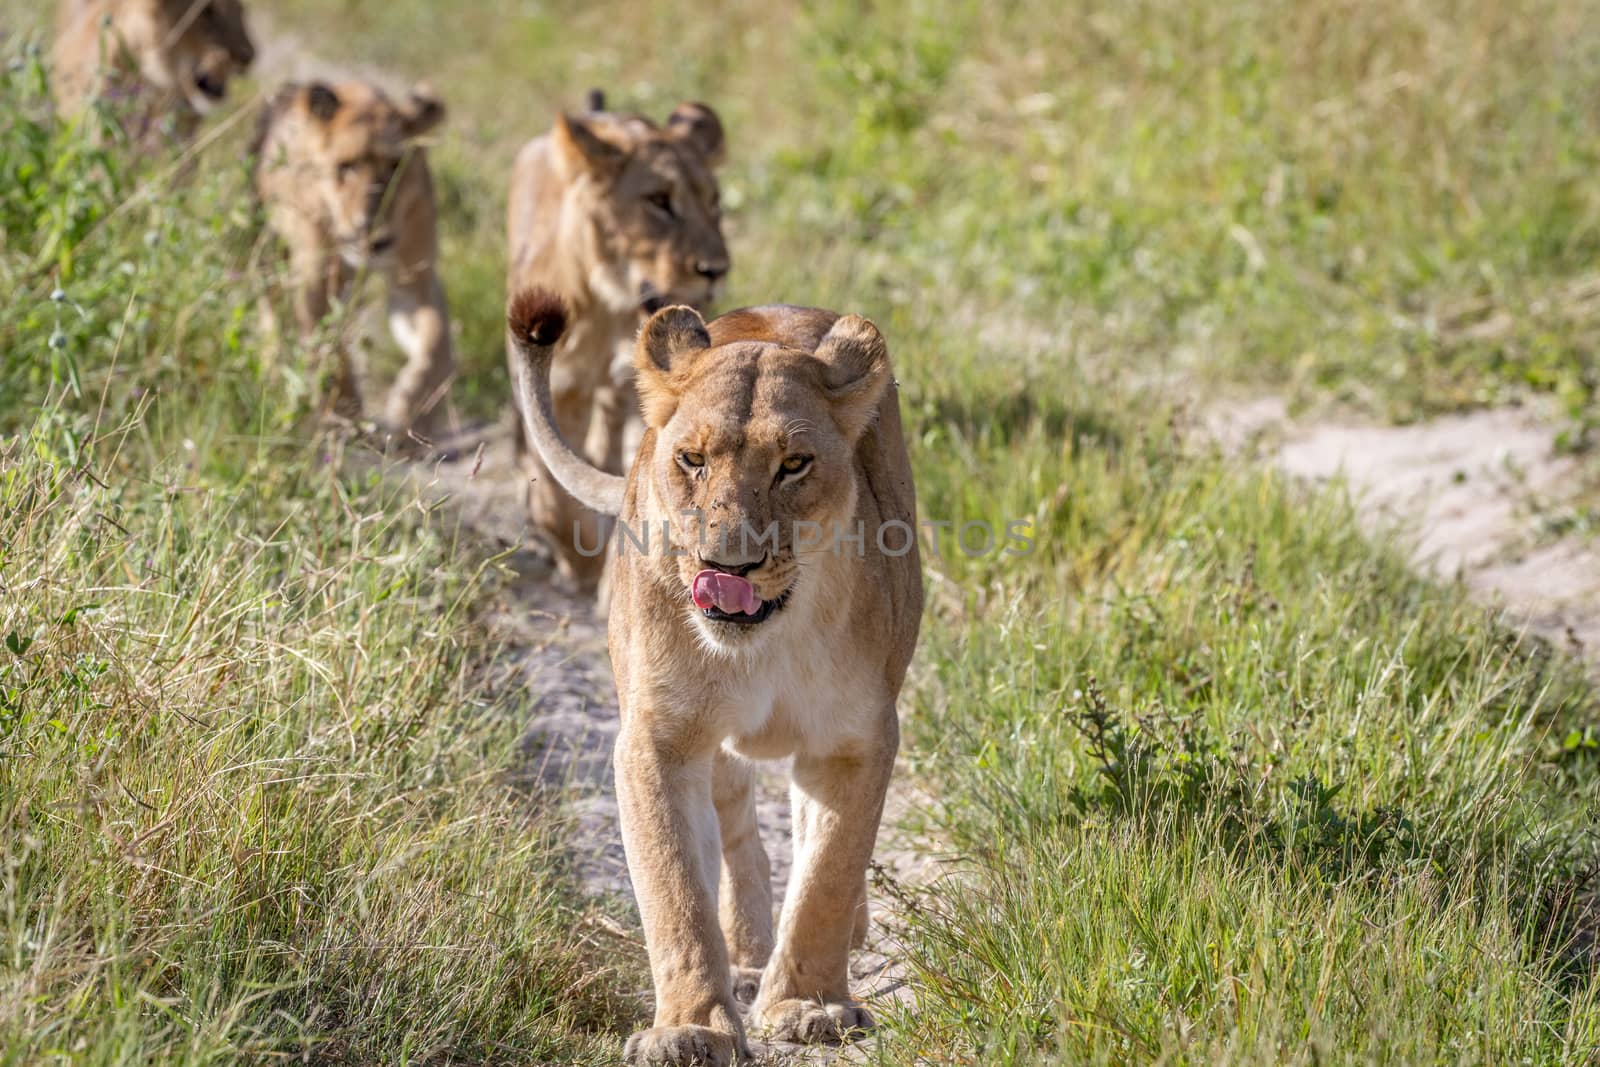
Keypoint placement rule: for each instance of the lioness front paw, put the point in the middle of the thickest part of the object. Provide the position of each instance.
(679, 1046)
(746, 984)
(811, 1022)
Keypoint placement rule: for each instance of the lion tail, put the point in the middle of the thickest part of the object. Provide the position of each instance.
(536, 319)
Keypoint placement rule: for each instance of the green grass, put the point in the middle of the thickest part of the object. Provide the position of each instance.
(1323, 814)
(257, 800)
(1222, 781)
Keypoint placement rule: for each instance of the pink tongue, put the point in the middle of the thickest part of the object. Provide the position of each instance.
(728, 593)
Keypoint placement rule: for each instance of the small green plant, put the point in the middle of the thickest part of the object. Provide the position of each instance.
(1171, 771)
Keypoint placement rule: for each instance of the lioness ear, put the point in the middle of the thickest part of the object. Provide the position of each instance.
(668, 343)
(697, 125)
(579, 148)
(322, 102)
(422, 111)
(855, 363)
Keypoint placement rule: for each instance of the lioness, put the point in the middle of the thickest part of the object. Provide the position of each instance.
(347, 189)
(777, 618)
(618, 217)
(180, 54)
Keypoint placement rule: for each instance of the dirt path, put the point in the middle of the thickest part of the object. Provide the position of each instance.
(1475, 491)
(556, 655)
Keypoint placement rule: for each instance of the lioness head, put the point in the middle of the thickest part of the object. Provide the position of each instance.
(191, 47)
(651, 201)
(754, 455)
(351, 146)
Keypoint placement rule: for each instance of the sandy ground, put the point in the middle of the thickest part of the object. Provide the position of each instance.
(1470, 491)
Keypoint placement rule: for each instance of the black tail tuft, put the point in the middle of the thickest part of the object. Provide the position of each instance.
(596, 100)
(537, 318)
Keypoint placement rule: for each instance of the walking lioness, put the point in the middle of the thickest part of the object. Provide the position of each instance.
(766, 598)
(617, 216)
(345, 181)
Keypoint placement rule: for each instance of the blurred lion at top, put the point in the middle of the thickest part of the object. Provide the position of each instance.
(171, 60)
(619, 217)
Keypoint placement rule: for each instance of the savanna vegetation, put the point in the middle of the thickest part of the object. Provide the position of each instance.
(1219, 778)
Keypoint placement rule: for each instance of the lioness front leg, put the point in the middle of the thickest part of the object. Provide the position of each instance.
(577, 536)
(669, 831)
(419, 320)
(319, 278)
(805, 990)
(615, 402)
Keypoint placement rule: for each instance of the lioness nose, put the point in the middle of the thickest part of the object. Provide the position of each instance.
(711, 269)
(212, 86)
(732, 563)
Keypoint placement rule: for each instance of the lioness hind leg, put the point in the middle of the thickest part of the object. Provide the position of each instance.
(745, 899)
(805, 994)
(669, 832)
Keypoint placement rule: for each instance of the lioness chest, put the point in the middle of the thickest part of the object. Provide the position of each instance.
(813, 697)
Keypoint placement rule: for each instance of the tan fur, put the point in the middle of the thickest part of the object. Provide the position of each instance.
(347, 188)
(818, 680)
(617, 216)
(175, 57)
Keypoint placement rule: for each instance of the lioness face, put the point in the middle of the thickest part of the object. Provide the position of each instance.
(754, 459)
(654, 203)
(359, 146)
(194, 48)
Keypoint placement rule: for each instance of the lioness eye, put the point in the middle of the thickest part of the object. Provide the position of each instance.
(347, 168)
(794, 465)
(662, 202)
(692, 460)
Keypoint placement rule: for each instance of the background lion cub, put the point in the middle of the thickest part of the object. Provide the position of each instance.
(617, 216)
(347, 188)
(179, 54)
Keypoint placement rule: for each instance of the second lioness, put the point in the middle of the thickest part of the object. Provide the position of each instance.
(617, 216)
(347, 188)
